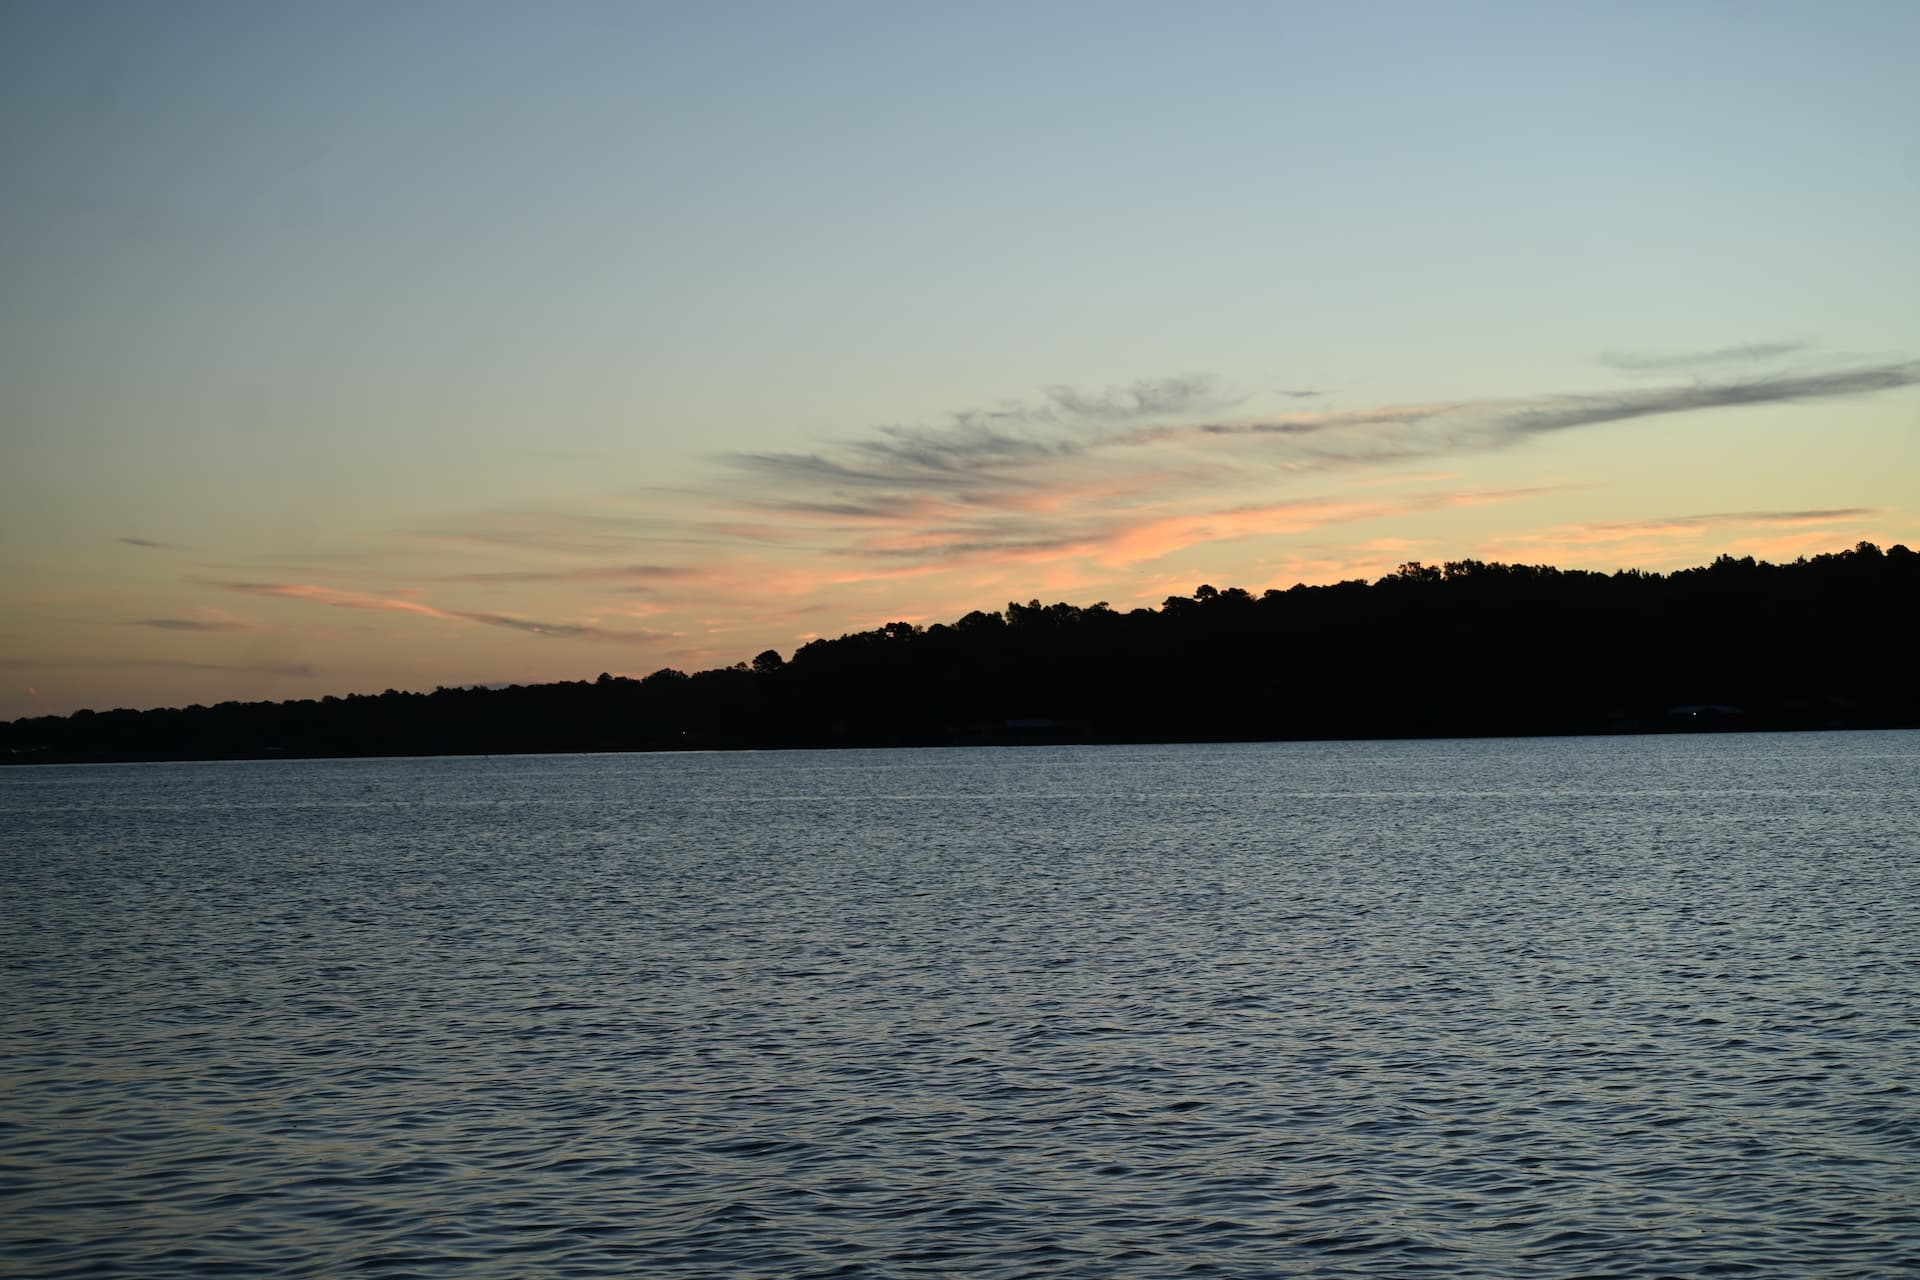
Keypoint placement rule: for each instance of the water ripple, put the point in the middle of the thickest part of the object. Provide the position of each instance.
(1625, 1008)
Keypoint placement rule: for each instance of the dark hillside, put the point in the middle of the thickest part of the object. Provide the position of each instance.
(1459, 650)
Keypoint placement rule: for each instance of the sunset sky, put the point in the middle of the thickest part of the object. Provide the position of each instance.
(348, 346)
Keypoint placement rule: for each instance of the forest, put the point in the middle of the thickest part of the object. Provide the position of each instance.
(1455, 650)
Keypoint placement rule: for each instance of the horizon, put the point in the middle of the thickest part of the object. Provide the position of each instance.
(744, 661)
(371, 348)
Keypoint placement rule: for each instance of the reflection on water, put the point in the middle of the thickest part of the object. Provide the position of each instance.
(1544, 1008)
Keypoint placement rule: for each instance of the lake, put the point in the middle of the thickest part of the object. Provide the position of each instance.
(1511, 1008)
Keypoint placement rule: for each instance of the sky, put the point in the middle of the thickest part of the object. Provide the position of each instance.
(356, 346)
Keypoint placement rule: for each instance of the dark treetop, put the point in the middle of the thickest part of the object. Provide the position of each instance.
(1464, 649)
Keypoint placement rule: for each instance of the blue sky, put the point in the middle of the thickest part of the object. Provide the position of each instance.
(355, 346)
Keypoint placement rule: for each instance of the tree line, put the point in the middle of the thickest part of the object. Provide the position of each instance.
(1466, 648)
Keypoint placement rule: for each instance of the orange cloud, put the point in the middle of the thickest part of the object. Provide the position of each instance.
(336, 598)
(924, 522)
(1131, 538)
(339, 599)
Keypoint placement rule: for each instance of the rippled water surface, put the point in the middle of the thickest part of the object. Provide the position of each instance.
(1640, 1006)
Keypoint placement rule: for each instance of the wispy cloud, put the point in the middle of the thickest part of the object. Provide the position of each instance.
(1433, 430)
(1100, 491)
(1819, 516)
(1690, 526)
(333, 596)
(1650, 362)
(150, 543)
(1012, 458)
(1102, 476)
(1112, 480)
(1146, 399)
(194, 624)
(1592, 410)
(1128, 538)
(977, 447)
(627, 573)
(337, 598)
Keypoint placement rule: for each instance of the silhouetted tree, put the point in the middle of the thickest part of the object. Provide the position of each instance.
(1465, 648)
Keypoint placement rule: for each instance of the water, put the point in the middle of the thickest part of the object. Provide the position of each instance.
(1635, 1007)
